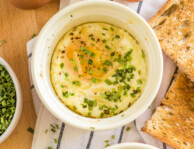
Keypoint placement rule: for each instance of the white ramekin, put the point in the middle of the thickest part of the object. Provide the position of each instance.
(19, 102)
(131, 146)
(95, 11)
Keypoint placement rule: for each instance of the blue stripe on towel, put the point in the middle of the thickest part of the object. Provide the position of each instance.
(164, 146)
(60, 135)
(121, 134)
(139, 6)
(30, 55)
(90, 139)
(32, 86)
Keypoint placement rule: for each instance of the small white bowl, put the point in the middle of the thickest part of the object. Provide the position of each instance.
(95, 11)
(131, 146)
(19, 102)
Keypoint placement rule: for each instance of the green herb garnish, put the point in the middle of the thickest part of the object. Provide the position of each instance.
(104, 40)
(31, 130)
(75, 68)
(104, 69)
(62, 65)
(55, 140)
(92, 128)
(117, 36)
(92, 54)
(33, 35)
(7, 99)
(76, 83)
(66, 94)
(139, 81)
(93, 80)
(128, 128)
(113, 136)
(107, 81)
(106, 46)
(90, 62)
(108, 63)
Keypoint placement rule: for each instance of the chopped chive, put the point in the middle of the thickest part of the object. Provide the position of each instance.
(107, 145)
(128, 128)
(31, 130)
(74, 63)
(75, 68)
(142, 54)
(92, 39)
(103, 34)
(113, 136)
(106, 141)
(72, 94)
(83, 48)
(74, 107)
(106, 46)
(93, 80)
(108, 63)
(139, 81)
(92, 54)
(91, 35)
(70, 59)
(33, 35)
(117, 36)
(108, 82)
(81, 56)
(90, 62)
(104, 29)
(52, 126)
(0, 43)
(7, 100)
(104, 69)
(76, 83)
(104, 40)
(112, 29)
(92, 128)
(55, 140)
(65, 94)
(66, 74)
(62, 65)
(46, 131)
(53, 130)
(49, 147)
(132, 95)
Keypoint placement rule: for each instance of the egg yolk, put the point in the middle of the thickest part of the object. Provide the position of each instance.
(86, 61)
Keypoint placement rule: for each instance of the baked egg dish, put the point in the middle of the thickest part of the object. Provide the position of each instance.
(98, 70)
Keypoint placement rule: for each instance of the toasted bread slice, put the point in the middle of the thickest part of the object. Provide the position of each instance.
(173, 120)
(174, 27)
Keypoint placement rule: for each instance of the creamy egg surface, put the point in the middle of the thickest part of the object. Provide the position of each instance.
(98, 70)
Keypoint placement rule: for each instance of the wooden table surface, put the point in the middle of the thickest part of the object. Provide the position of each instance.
(17, 27)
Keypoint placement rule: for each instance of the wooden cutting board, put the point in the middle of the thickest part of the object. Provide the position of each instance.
(17, 27)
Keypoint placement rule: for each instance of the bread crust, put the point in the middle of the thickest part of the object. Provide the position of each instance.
(174, 27)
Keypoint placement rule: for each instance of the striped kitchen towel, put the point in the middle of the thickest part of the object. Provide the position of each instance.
(68, 137)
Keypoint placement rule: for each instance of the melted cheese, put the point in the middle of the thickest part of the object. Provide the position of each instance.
(98, 70)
